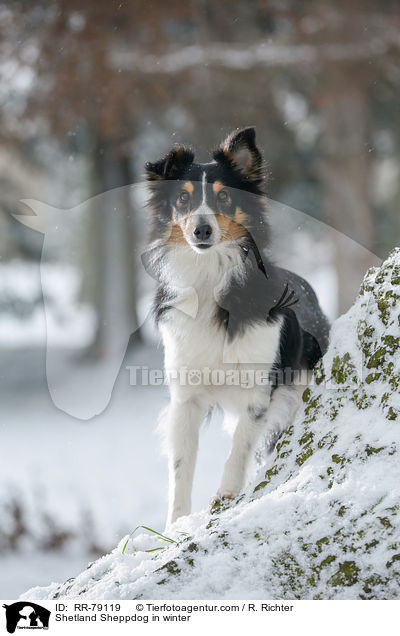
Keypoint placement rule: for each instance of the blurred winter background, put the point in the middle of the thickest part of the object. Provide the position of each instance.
(88, 92)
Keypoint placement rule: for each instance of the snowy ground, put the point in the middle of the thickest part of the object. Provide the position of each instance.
(97, 479)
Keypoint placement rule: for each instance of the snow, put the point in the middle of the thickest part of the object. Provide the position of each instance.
(22, 318)
(322, 518)
(96, 480)
(21, 570)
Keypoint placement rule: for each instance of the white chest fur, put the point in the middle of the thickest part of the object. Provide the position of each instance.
(197, 342)
(192, 336)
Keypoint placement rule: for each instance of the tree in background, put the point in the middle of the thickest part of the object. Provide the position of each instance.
(118, 80)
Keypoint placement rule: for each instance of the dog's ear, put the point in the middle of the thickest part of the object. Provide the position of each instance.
(240, 150)
(171, 166)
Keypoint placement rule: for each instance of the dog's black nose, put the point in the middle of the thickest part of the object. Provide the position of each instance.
(202, 232)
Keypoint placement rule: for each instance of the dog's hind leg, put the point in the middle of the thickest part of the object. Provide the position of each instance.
(272, 420)
(285, 402)
(184, 419)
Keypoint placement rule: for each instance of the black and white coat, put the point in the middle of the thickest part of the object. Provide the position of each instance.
(222, 305)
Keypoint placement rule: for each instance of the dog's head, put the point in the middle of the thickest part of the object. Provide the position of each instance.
(209, 205)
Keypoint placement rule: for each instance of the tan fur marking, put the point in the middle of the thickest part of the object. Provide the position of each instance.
(240, 216)
(188, 186)
(232, 229)
(174, 234)
(217, 186)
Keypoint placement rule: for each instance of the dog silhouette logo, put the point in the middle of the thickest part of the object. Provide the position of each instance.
(26, 615)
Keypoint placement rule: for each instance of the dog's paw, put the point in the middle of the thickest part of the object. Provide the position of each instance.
(223, 497)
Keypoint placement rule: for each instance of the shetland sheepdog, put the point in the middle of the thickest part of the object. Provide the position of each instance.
(238, 331)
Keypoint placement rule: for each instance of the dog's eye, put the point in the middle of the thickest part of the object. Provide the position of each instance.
(184, 196)
(222, 195)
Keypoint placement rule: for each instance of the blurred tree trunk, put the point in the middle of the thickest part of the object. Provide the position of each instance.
(113, 249)
(344, 175)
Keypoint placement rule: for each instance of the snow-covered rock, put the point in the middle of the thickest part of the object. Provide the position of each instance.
(324, 521)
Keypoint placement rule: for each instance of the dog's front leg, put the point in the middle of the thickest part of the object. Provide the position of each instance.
(184, 419)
